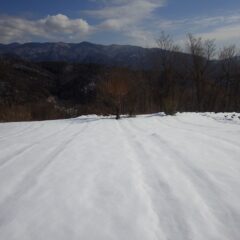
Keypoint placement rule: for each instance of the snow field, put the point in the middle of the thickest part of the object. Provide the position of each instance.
(149, 177)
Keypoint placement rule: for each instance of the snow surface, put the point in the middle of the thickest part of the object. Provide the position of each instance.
(145, 178)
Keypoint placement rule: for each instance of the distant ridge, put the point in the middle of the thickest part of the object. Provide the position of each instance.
(84, 52)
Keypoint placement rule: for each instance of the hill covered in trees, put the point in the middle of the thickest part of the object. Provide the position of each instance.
(84, 52)
(49, 81)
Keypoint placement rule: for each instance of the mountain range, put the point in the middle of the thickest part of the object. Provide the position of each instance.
(84, 52)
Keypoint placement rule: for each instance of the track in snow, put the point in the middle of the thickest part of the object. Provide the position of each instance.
(150, 177)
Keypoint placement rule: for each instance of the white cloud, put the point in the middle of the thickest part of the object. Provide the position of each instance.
(55, 28)
(61, 23)
(124, 17)
(127, 17)
(142, 37)
(224, 28)
(133, 10)
(229, 34)
(135, 21)
(199, 22)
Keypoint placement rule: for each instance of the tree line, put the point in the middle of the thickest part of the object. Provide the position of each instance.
(198, 78)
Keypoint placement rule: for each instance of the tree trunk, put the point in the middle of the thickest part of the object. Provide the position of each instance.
(117, 112)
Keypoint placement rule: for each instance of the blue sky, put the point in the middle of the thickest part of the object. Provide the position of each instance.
(137, 22)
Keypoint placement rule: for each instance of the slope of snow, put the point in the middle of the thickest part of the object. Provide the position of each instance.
(145, 178)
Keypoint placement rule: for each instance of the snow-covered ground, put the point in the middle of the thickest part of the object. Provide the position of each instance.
(145, 178)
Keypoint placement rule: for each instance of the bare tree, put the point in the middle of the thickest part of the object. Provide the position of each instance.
(167, 57)
(115, 87)
(202, 52)
(228, 59)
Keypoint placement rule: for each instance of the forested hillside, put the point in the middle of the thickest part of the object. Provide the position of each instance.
(176, 81)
